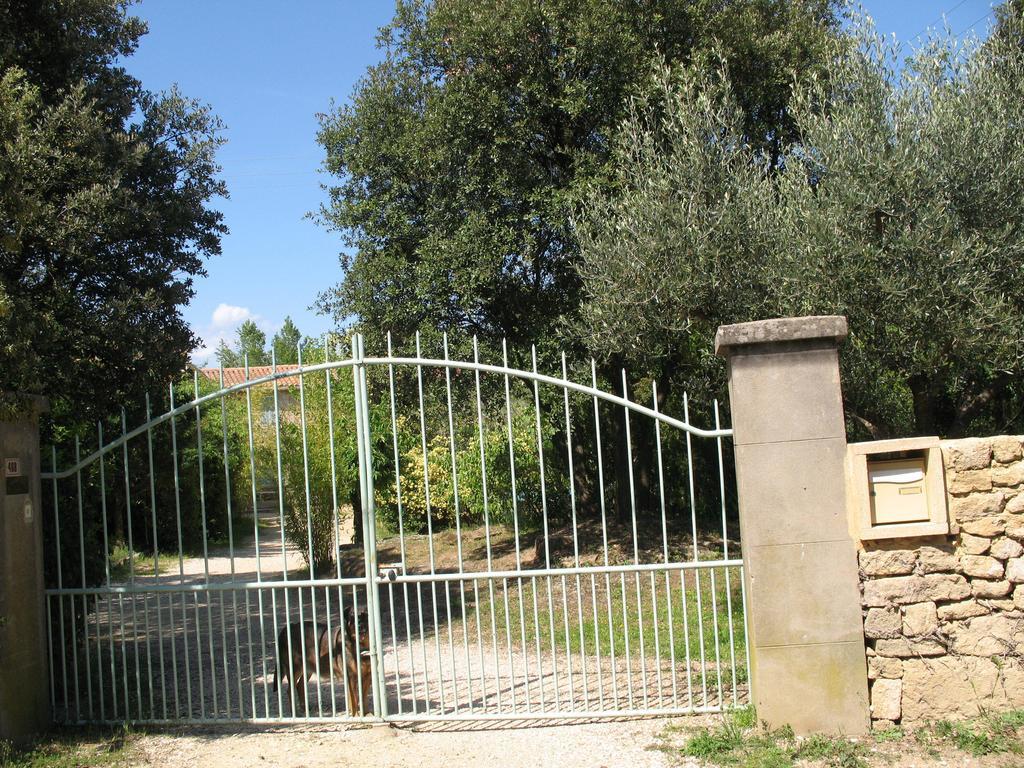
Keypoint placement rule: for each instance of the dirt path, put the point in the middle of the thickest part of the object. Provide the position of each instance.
(610, 744)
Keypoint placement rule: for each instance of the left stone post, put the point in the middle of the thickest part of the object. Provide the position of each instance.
(24, 672)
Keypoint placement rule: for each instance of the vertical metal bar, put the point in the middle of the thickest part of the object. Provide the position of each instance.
(85, 605)
(636, 543)
(625, 637)
(515, 515)
(657, 638)
(334, 529)
(508, 643)
(536, 640)
(480, 646)
(284, 546)
(259, 568)
(401, 527)
(544, 516)
(725, 556)
(696, 552)
(131, 575)
(604, 535)
(746, 637)
(430, 527)
(124, 659)
(206, 558)
(458, 521)
(568, 645)
(355, 613)
(380, 708)
(181, 566)
(231, 558)
(664, 543)
(106, 564)
(309, 525)
(60, 587)
(51, 662)
(575, 537)
(99, 658)
(156, 569)
(686, 638)
(714, 618)
(597, 643)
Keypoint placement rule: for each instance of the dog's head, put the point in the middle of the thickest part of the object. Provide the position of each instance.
(357, 629)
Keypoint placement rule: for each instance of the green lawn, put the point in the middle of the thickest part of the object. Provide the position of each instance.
(617, 611)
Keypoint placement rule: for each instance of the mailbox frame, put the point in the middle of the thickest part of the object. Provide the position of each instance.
(858, 488)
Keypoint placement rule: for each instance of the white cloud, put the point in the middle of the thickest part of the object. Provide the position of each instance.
(223, 326)
(227, 316)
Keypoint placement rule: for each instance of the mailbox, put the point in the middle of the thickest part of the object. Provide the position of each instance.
(895, 488)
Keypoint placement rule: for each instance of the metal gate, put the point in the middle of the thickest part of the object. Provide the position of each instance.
(527, 547)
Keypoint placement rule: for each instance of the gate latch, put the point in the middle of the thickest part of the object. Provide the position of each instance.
(391, 571)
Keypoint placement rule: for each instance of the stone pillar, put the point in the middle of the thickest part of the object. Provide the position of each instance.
(806, 638)
(24, 674)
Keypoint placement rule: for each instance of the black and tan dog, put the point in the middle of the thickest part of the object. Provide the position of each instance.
(348, 648)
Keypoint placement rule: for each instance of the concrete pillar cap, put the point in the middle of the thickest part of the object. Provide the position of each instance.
(781, 329)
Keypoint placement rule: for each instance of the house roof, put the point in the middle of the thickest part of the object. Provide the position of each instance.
(233, 376)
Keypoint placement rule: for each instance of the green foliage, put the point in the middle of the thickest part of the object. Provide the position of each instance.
(73, 748)
(286, 343)
(736, 741)
(471, 501)
(899, 207)
(990, 734)
(105, 211)
(315, 499)
(460, 156)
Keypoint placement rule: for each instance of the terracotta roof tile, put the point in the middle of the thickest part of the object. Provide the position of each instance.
(233, 376)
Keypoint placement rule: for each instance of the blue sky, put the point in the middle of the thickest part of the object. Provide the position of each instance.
(267, 68)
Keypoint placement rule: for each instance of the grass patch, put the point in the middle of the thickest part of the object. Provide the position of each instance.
(739, 741)
(73, 748)
(613, 612)
(989, 734)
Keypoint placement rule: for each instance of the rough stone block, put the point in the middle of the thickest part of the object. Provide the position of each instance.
(1018, 596)
(1008, 476)
(1004, 606)
(976, 506)
(903, 590)
(1015, 525)
(1015, 570)
(920, 619)
(902, 648)
(885, 699)
(971, 453)
(1015, 505)
(974, 545)
(888, 562)
(981, 566)
(882, 623)
(984, 526)
(990, 589)
(993, 635)
(1006, 548)
(958, 687)
(884, 666)
(969, 481)
(1006, 448)
(963, 610)
(933, 560)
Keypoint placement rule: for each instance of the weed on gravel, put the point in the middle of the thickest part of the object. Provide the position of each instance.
(72, 748)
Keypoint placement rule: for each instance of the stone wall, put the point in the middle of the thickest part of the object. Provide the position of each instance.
(944, 616)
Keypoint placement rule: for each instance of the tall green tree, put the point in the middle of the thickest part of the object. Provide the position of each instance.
(252, 345)
(901, 206)
(105, 209)
(460, 156)
(286, 342)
